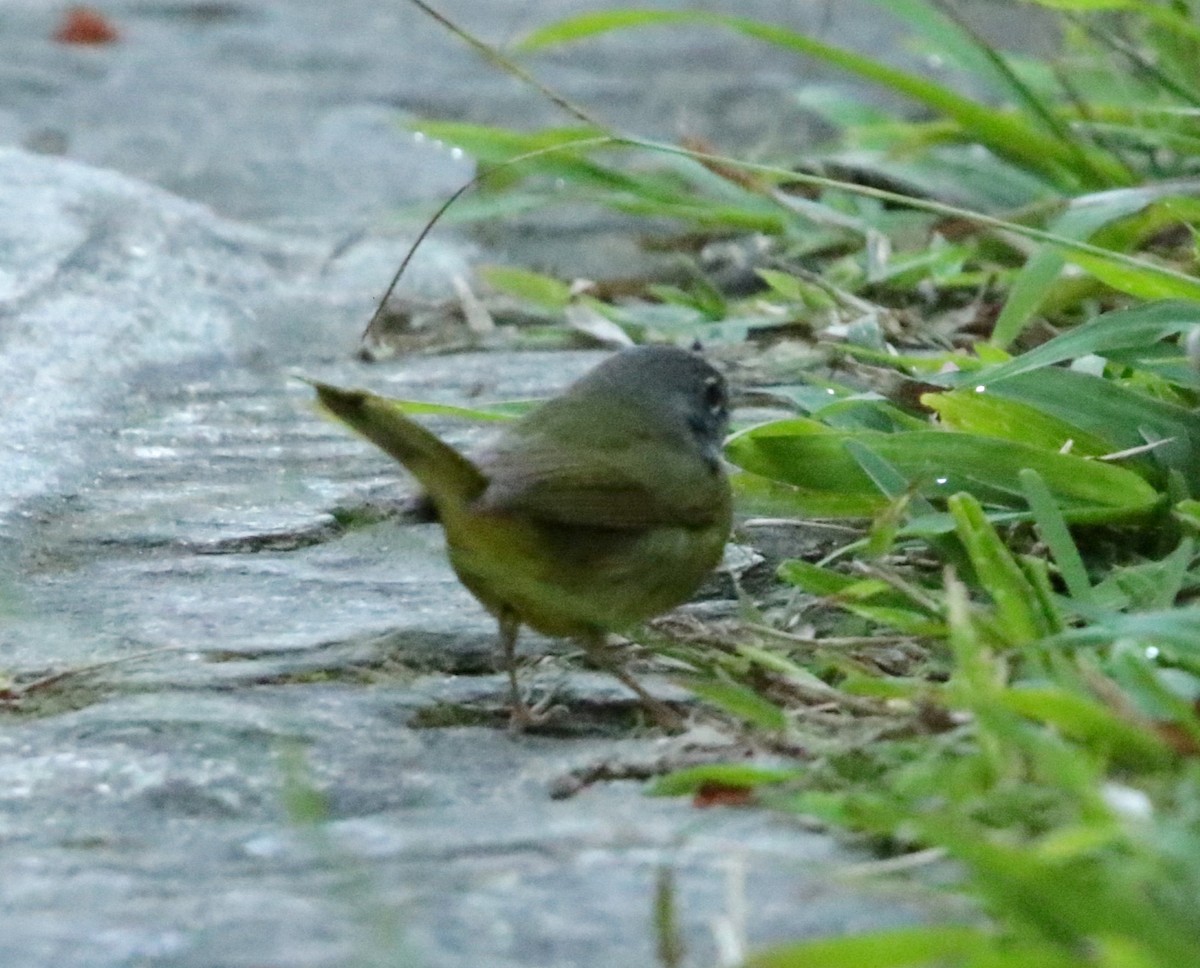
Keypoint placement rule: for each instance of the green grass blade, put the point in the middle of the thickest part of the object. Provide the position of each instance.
(951, 40)
(1161, 14)
(1080, 221)
(1053, 530)
(1165, 702)
(891, 483)
(743, 776)
(1177, 629)
(1135, 281)
(1137, 327)
(999, 573)
(941, 27)
(1008, 135)
(496, 145)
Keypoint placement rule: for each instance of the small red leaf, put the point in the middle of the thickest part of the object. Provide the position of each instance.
(85, 25)
(722, 795)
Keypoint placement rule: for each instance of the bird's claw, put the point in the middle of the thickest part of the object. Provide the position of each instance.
(524, 716)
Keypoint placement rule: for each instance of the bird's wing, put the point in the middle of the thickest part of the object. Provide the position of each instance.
(641, 485)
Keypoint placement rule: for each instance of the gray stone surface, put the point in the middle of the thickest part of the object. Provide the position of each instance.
(169, 489)
(102, 277)
(150, 830)
(167, 514)
(291, 111)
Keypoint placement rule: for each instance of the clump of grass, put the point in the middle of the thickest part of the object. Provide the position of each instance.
(1000, 301)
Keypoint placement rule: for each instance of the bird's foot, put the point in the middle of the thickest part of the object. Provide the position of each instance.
(667, 718)
(523, 716)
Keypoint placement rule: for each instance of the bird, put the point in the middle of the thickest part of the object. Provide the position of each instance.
(599, 509)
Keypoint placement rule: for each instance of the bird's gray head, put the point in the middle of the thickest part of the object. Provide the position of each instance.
(676, 390)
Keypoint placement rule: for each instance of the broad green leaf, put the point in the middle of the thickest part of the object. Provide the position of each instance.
(760, 495)
(1116, 413)
(814, 459)
(705, 214)
(683, 188)
(541, 290)
(897, 948)
(906, 621)
(904, 503)
(787, 285)
(865, 412)
(741, 701)
(1119, 416)
(869, 598)
(889, 481)
(991, 415)
(1087, 720)
(893, 687)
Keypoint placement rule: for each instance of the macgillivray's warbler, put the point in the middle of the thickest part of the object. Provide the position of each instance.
(599, 509)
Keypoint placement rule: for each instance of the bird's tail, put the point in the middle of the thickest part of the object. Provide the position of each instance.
(450, 479)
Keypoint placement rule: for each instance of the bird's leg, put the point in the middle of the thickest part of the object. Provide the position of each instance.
(521, 716)
(603, 655)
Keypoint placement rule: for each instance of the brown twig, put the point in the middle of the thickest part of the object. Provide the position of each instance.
(16, 693)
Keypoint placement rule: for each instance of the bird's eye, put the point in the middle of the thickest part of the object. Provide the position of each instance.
(714, 394)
